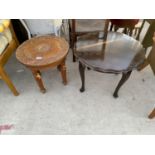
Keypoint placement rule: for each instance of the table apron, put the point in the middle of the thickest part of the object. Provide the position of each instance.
(52, 65)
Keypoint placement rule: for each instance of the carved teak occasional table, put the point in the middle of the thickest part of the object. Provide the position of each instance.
(43, 52)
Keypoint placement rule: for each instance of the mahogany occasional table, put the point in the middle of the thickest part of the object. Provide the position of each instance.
(43, 52)
(118, 54)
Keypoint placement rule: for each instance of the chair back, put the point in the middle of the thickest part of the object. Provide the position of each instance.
(127, 24)
(35, 27)
(78, 27)
(82, 26)
(147, 40)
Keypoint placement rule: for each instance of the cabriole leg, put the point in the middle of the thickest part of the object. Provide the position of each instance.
(82, 75)
(125, 77)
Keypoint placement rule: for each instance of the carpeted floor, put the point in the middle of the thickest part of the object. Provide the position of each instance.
(64, 110)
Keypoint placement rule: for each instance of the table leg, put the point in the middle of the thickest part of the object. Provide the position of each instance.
(7, 80)
(37, 76)
(152, 114)
(63, 72)
(125, 77)
(82, 75)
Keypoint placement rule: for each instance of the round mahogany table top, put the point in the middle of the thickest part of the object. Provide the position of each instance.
(119, 53)
(42, 50)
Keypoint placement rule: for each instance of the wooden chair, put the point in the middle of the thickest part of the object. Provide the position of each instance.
(4, 56)
(80, 27)
(147, 40)
(150, 60)
(149, 31)
(127, 24)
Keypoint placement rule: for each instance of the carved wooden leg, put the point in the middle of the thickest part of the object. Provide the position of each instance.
(152, 114)
(124, 78)
(7, 80)
(37, 76)
(82, 75)
(63, 73)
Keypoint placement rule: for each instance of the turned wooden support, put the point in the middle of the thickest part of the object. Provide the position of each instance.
(37, 76)
(63, 72)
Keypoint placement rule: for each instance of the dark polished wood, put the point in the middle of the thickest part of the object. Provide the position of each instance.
(82, 75)
(41, 53)
(127, 24)
(125, 77)
(119, 53)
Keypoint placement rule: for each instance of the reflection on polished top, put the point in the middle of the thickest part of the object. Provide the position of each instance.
(118, 53)
(42, 50)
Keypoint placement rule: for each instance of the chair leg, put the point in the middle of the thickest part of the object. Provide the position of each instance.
(116, 28)
(125, 77)
(130, 32)
(142, 66)
(111, 27)
(152, 114)
(74, 58)
(124, 31)
(82, 75)
(7, 80)
(136, 31)
(73, 40)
